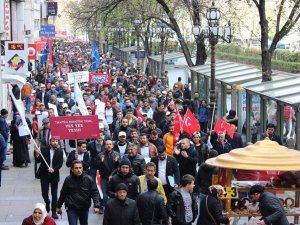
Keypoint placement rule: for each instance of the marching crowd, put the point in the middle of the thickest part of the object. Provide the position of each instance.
(148, 175)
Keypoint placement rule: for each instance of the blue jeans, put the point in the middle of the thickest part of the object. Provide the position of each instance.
(3, 148)
(74, 215)
(104, 186)
(28, 103)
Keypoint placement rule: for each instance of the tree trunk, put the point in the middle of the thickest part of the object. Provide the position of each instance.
(176, 28)
(265, 54)
(201, 55)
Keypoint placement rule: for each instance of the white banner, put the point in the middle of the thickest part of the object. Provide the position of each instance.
(23, 129)
(79, 99)
(81, 76)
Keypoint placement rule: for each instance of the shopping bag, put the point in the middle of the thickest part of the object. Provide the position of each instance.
(253, 221)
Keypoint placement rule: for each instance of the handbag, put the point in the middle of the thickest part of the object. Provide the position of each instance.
(152, 219)
(213, 219)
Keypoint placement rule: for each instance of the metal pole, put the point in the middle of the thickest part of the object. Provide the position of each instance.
(162, 49)
(138, 64)
(213, 42)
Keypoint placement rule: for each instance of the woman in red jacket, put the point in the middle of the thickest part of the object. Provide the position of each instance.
(39, 216)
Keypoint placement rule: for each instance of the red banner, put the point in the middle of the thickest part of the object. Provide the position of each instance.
(98, 78)
(74, 127)
(190, 124)
(222, 126)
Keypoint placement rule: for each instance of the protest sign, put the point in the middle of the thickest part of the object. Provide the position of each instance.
(79, 77)
(98, 78)
(74, 127)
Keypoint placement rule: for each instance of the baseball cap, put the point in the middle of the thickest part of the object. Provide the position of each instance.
(168, 113)
(101, 125)
(68, 111)
(139, 89)
(85, 85)
(43, 86)
(52, 85)
(65, 85)
(164, 92)
(122, 133)
(114, 85)
(60, 100)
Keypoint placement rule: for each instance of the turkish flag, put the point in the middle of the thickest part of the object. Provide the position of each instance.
(139, 114)
(222, 126)
(190, 123)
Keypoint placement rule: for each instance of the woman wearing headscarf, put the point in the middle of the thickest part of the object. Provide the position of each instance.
(211, 207)
(20, 143)
(39, 216)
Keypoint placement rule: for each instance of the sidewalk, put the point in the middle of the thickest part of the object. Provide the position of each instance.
(20, 191)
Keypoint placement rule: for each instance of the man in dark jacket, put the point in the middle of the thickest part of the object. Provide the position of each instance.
(151, 206)
(270, 206)
(138, 163)
(50, 175)
(4, 130)
(80, 154)
(77, 191)
(182, 206)
(121, 144)
(124, 127)
(121, 210)
(166, 167)
(109, 161)
(186, 157)
(160, 114)
(95, 147)
(124, 175)
(270, 133)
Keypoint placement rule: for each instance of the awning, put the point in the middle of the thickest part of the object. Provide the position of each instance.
(230, 73)
(129, 49)
(263, 155)
(168, 56)
(20, 80)
(285, 88)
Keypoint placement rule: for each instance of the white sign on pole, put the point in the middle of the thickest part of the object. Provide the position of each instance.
(81, 76)
(16, 57)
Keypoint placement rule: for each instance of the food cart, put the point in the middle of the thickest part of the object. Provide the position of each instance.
(265, 155)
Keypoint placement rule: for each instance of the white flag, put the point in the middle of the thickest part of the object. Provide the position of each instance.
(24, 130)
(78, 98)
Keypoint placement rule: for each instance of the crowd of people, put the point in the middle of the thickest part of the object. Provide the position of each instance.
(147, 176)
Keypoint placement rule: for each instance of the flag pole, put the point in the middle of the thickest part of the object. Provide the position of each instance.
(212, 118)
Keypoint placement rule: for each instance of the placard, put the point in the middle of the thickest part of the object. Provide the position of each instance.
(81, 76)
(97, 78)
(74, 127)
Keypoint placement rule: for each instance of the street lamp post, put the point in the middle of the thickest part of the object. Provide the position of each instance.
(163, 33)
(137, 23)
(213, 32)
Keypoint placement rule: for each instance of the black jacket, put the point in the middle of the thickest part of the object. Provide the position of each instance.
(202, 152)
(85, 162)
(94, 153)
(108, 165)
(131, 180)
(121, 213)
(57, 162)
(77, 192)
(273, 137)
(176, 209)
(272, 210)
(172, 168)
(159, 116)
(187, 165)
(215, 209)
(204, 177)
(151, 204)
(138, 164)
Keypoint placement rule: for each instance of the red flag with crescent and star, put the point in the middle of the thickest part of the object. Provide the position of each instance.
(222, 126)
(190, 123)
